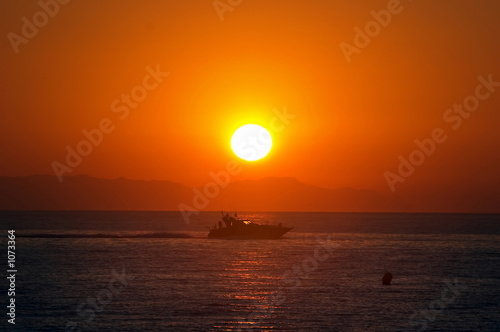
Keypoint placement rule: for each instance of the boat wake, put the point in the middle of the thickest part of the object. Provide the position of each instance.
(110, 236)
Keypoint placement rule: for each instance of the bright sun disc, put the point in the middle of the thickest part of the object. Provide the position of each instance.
(251, 142)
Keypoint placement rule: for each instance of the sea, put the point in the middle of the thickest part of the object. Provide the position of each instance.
(157, 271)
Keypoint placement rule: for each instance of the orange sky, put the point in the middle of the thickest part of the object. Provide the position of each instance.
(352, 120)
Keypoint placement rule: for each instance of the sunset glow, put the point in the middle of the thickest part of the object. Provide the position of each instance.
(230, 165)
(174, 100)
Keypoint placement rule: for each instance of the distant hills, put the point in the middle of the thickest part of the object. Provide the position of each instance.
(45, 192)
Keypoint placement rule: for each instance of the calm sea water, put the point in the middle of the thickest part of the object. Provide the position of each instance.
(325, 275)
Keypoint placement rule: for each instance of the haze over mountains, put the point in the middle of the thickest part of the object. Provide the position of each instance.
(45, 192)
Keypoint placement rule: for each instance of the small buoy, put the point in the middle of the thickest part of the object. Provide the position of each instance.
(386, 279)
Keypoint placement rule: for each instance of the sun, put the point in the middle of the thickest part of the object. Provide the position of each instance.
(251, 142)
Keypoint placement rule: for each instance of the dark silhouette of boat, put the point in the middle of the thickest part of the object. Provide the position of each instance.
(233, 228)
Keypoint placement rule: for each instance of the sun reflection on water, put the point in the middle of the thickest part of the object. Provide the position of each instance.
(253, 279)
